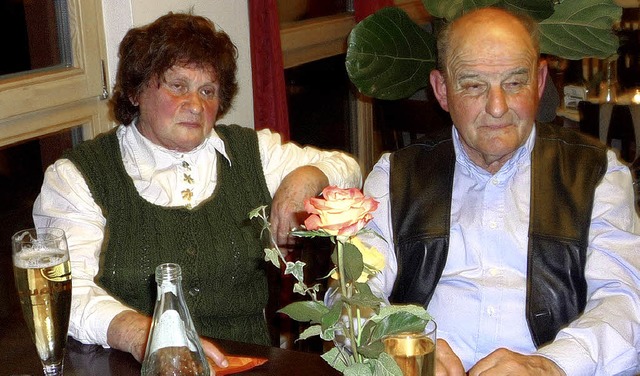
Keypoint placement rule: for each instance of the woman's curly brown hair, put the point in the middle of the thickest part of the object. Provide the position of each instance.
(147, 52)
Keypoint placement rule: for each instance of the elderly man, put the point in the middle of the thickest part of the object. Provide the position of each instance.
(521, 239)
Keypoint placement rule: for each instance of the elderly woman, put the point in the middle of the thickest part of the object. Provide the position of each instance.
(169, 186)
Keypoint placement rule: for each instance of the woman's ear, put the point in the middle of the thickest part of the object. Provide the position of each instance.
(438, 83)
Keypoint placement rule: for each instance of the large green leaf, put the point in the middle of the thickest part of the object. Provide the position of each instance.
(581, 28)
(537, 9)
(444, 9)
(305, 311)
(389, 56)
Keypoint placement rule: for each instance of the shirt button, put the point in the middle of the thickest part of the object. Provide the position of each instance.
(493, 272)
(493, 224)
(495, 181)
(491, 311)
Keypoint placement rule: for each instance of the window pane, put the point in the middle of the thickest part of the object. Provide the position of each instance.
(39, 31)
(319, 103)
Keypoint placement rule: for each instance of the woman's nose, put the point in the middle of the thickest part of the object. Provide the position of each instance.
(497, 102)
(193, 103)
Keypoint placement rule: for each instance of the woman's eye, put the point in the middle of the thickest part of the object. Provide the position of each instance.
(209, 92)
(176, 87)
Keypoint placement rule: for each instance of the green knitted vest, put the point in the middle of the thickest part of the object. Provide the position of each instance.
(216, 245)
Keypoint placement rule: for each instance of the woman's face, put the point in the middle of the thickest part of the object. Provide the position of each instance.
(178, 110)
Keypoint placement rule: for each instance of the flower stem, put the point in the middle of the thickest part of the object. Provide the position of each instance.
(346, 293)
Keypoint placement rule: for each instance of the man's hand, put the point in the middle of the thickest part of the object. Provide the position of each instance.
(505, 362)
(287, 208)
(447, 362)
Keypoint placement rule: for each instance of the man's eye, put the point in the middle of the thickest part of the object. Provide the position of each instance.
(513, 85)
(472, 86)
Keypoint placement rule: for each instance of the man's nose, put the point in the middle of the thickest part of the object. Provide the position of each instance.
(496, 102)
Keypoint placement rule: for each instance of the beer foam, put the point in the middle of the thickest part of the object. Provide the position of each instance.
(31, 258)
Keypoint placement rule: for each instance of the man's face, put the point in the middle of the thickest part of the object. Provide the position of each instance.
(492, 87)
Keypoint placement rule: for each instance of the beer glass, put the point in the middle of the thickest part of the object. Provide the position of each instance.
(43, 279)
(415, 353)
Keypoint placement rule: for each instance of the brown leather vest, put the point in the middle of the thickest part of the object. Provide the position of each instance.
(566, 168)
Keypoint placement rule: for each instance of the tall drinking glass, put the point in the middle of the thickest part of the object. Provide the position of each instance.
(43, 278)
(415, 353)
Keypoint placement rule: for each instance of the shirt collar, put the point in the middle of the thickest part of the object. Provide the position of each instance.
(150, 158)
(522, 154)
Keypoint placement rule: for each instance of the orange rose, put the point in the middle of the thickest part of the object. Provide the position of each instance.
(341, 212)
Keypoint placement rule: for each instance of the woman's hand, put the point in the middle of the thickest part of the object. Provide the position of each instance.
(129, 330)
(287, 207)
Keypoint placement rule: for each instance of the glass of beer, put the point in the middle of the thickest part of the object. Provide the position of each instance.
(43, 278)
(414, 352)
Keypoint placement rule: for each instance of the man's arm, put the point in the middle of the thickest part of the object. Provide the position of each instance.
(605, 338)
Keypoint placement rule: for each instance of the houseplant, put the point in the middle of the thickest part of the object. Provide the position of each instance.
(389, 56)
(353, 319)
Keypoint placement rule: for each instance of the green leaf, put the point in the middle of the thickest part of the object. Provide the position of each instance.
(581, 28)
(336, 359)
(295, 268)
(305, 311)
(272, 255)
(310, 234)
(372, 350)
(364, 298)
(413, 309)
(359, 369)
(396, 323)
(329, 334)
(389, 56)
(537, 9)
(257, 211)
(352, 262)
(313, 330)
(300, 288)
(330, 318)
(385, 365)
(444, 9)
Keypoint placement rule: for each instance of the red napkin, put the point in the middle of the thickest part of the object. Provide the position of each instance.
(238, 364)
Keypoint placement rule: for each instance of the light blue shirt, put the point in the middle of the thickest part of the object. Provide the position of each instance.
(478, 303)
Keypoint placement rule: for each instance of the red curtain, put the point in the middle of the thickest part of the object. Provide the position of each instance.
(363, 8)
(269, 91)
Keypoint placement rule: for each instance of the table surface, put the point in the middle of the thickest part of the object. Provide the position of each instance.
(18, 356)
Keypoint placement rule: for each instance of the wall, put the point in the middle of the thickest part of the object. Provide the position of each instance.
(230, 15)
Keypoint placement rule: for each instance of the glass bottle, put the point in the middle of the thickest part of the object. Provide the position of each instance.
(173, 346)
(609, 85)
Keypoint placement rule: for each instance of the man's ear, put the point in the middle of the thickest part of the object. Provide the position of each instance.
(438, 83)
(543, 71)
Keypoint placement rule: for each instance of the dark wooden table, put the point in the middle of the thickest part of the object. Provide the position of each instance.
(18, 354)
(18, 357)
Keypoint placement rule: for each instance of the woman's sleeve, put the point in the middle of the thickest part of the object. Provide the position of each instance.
(279, 159)
(66, 202)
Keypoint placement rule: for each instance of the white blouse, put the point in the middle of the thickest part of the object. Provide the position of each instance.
(163, 177)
